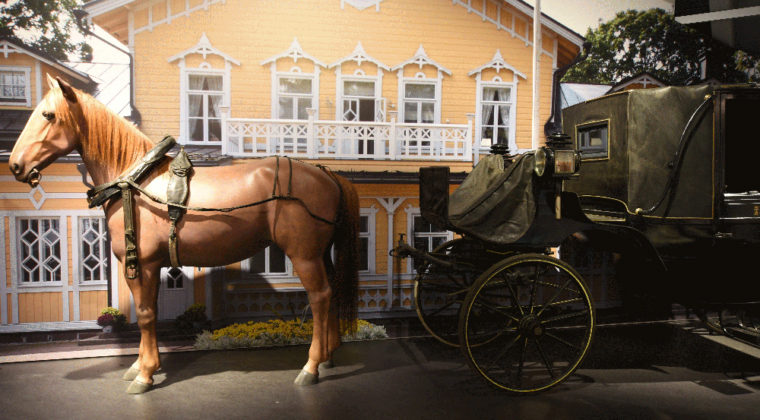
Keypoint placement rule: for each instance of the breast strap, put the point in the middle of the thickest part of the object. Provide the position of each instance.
(101, 194)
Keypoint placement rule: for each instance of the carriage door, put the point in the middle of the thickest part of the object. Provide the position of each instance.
(176, 292)
(741, 185)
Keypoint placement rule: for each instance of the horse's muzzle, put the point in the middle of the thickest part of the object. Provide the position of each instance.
(34, 177)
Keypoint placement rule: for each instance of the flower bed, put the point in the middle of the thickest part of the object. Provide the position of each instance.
(276, 333)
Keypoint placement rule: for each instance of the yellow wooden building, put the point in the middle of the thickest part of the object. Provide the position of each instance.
(374, 89)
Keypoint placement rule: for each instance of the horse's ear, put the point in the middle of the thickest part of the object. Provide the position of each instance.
(51, 82)
(68, 91)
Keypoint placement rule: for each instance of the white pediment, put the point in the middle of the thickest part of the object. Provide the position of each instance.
(204, 48)
(421, 59)
(361, 4)
(497, 63)
(360, 56)
(294, 52)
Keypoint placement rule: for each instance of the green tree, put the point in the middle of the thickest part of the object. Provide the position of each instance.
(44, 24)
(652, 41)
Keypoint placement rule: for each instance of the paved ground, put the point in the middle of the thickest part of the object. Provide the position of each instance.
(654, 371)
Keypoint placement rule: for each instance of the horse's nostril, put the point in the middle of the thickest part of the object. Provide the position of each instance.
(15, 168)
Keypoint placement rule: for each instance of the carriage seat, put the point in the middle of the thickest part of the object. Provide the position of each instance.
(495, 202)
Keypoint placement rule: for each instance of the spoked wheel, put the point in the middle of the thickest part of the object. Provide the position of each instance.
(439, 291)
(527, 323)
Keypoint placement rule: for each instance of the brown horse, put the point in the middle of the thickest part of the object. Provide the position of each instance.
(68, 119)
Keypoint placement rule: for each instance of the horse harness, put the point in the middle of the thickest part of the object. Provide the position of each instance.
(176, 196)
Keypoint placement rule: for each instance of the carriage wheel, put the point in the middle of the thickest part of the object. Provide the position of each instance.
(526, 323)
(440, 291)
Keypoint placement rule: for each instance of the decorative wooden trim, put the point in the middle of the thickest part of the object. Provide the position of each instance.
(361, 4)
(204, 48)
(421, 58)
(294, 52)
(497, 63)
(359, 56)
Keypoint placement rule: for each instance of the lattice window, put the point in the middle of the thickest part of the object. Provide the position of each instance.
(13, 86)
(175, 278)
(39, 251)
(94, 250)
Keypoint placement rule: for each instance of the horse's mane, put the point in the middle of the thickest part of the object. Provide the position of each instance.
(109, 138)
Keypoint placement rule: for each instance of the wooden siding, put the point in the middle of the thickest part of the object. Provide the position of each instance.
(91, 303)
(456, 39)
(40, 307)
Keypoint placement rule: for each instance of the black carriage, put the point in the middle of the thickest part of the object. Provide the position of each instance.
(667, 187)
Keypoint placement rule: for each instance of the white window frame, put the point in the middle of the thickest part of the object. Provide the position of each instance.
(411, 213)
(496, 82)
(16, 255)
(106, 253)
(359, 76)
(27, 85)
(370, 213)
(295, 73)
(419, 79)
(245, 266)
(185, 93)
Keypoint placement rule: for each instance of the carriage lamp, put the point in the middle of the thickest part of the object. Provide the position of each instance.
(566, 161)
(539, 159)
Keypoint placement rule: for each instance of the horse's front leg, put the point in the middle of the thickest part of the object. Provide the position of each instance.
(145, 293)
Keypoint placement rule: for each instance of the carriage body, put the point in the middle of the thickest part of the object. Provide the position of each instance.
(666, 186)
(677, 165)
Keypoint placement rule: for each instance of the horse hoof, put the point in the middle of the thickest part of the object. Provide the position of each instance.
(327, 365)
(130, 374)
(138, 387)
(305, 378)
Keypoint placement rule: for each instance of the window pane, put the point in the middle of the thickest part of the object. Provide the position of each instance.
(303, 103)
(410, 112)
(363, 254)
(214, 130)
(428, 113)
(195, 103)
(496, 94)
(285, 109)
(205, 82)
(257, 262)
(364, 224)
(276, 259)
(295, 85)
(214, 102)
(423, 91)
(195, 128)
(352, 88)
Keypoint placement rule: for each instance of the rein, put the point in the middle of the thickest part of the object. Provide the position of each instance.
(129, 182)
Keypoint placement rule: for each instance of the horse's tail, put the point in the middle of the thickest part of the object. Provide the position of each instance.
(345, 279)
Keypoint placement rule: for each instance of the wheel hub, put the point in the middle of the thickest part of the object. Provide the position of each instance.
(530, 326)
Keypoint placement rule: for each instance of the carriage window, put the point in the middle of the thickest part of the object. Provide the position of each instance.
(741, 153)
(593, 141)
(204, 98)
(94, 250)
(14, 87)
(39, 251)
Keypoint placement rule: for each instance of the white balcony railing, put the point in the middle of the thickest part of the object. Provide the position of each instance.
(318, 139)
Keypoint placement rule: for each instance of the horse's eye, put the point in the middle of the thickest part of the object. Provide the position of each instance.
(48, 115)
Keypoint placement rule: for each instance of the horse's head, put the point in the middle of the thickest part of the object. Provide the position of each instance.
(53, 130)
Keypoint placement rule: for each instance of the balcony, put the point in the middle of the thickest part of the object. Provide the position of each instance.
(321, 139)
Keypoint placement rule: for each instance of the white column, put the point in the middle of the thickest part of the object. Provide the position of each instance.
(311, 137)
(536, 56)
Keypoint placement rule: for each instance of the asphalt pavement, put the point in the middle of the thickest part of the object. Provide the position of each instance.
(639, 371)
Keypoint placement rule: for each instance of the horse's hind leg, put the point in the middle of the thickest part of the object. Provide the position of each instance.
(314, 279)
(145, 293)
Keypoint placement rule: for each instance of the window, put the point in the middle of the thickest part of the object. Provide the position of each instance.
(269, 261)
(496, 105)
(294, 96)
(15, 87)
(592, 140)
(39, 251)
(205, 94)
(426, 236)
(359, 103)
(94, 251)
(419, 103)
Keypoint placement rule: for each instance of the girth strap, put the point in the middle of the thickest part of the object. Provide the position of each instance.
(176, 193)
(131, 264)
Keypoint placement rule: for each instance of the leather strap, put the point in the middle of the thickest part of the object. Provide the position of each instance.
(131, 263)
(176, 193)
